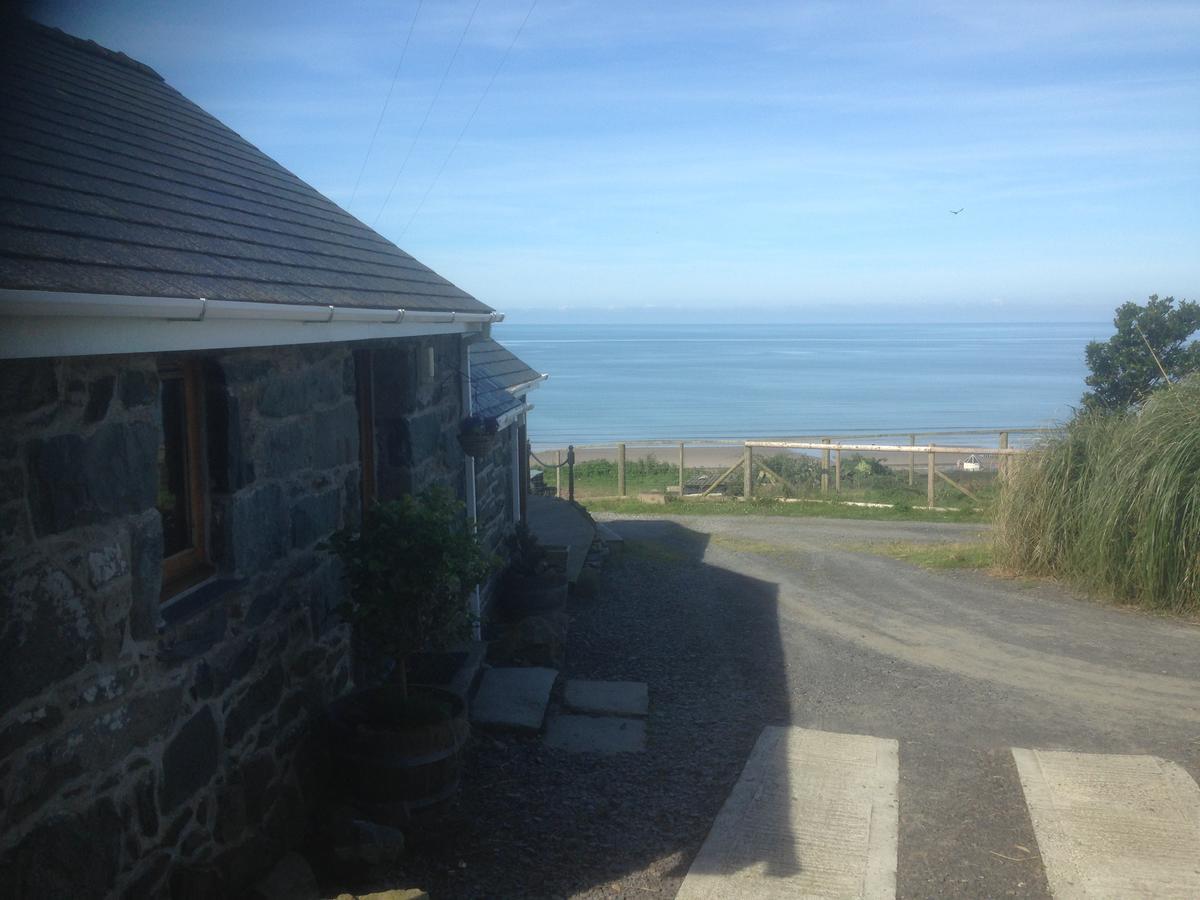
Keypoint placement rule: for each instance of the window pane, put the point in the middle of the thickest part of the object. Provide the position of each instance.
(173, 502)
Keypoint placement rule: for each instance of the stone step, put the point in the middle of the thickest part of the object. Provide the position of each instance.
(513, 698)
(607, 698)
(596, 734)
(612, 540)
(559, 522)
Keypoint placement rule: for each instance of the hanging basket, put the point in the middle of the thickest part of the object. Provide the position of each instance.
(477, 435)
(476, 444)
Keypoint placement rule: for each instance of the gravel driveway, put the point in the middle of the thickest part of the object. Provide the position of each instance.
(737, 623)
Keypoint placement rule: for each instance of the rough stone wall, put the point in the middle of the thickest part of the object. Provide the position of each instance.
(154, 750)
(494, 491)
(417, 415)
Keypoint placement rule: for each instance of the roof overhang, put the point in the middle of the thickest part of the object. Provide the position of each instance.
(513, 416)
(49, 323)
(520, 390)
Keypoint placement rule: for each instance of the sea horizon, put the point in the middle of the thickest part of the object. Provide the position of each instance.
(720, 381)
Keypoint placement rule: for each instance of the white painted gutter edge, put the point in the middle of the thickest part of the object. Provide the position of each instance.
(37, 324)
(191, 309)
(518, 389)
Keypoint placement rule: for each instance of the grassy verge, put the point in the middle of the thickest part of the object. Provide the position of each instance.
(935, 556)
(863, 479)
(1112, 505)
(775, 508)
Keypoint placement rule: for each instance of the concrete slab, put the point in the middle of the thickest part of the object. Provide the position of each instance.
(596, 734)
(814, 814)
(513, 698)
(1113, 826)
(607, 698)
(556, 521)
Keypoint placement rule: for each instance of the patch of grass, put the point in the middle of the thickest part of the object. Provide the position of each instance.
(1112, 504)
(938, 556)
(775, 508)
(656, 551)
(749, 545)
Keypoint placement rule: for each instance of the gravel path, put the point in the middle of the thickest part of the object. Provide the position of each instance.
(737, 623)
(534, 822)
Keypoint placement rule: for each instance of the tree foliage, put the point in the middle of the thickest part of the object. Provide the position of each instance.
(1123, 371)
(410, 568)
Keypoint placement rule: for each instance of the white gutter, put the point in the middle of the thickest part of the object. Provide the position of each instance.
(513, 415)
(52, 323)
(526, 386)
(196, 309)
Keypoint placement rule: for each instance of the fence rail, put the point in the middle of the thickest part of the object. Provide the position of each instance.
(755, 471)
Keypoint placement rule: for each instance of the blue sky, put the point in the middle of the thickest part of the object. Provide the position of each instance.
(714, 161)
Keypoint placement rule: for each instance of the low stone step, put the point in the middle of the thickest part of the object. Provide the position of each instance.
(612, 540)
(513, 698)
(607, 698)
(596, 734)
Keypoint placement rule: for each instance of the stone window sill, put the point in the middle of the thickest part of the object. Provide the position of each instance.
(194, 621)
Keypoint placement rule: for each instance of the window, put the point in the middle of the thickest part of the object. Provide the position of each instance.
(181, 482)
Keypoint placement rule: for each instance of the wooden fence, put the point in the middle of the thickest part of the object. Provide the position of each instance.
(831, 451)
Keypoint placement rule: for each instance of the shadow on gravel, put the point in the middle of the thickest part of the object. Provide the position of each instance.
(535, 822)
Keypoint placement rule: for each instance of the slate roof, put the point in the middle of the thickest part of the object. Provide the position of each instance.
(490, 398)
(501, 364)
(112, 182)
(495, 370)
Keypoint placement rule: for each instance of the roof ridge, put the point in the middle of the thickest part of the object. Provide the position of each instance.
(88, 46)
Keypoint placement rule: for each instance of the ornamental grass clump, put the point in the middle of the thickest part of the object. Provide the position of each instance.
(1112, 503)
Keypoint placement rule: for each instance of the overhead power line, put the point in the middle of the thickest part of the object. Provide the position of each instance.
(428, 110)
(470, 119)
(386, 101)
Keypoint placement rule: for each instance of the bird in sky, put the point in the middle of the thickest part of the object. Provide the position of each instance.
(955, 212)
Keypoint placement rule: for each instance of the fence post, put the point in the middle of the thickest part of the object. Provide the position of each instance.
(912, 459)
(557, 473)
(748, 474)
(681, 470)
(837, 471)
(825, 468)
(932, 465)
(571, 472)
(1003, 459)
(621, 470)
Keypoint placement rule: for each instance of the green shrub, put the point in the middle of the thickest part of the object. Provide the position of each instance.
(1112, 503)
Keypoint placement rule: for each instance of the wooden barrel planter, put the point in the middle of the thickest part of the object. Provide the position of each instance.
(532, 595)
(396, 771)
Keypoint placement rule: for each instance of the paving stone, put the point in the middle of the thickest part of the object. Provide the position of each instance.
(1113, 826)
(596, 734)
(814, 814)
(608, 698)
(513, 698)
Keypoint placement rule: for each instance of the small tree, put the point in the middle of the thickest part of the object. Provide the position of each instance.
(410, 569)
(1124, 371)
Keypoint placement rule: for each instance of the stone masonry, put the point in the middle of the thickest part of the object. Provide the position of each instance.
(152, 749)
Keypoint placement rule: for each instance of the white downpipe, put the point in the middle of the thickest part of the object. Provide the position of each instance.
(472, 508)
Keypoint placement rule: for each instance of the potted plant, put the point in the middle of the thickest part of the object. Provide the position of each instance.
(477, 435)
(410, 569)
(530, 584)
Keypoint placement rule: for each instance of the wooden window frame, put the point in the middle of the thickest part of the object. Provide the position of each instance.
(190, 566)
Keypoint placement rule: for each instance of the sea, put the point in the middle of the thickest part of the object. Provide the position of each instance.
(633, 383)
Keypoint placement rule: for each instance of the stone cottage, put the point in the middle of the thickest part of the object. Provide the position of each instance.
(205, 368)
